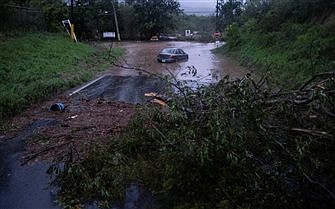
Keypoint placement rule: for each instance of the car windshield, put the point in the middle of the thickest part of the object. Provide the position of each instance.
(167, 51)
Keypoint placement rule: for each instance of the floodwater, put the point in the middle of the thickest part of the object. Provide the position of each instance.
(25, 186)
(128, 80)
(209, 67)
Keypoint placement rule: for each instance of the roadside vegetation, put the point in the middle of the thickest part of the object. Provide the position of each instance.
(35, 66)
(289, 40)
(233, 145)
(138, 19)
(202, 27)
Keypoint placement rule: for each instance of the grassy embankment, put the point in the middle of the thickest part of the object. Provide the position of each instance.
(36, 66)
(290, 54)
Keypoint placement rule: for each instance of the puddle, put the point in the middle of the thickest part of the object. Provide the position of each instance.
(24, 186)
(130, 89)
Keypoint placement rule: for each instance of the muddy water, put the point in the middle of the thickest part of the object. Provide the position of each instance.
(209, 67)
(128, 85)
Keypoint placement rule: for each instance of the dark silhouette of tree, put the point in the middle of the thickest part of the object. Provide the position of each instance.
(228, 12)
(156, 16)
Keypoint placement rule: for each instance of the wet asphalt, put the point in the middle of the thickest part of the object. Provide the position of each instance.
(130, 89)
(26, 186)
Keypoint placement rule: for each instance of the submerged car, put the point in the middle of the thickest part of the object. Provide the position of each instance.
(171, 55)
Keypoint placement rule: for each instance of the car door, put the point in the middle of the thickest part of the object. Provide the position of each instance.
(179, 54)
(176, 54)
(182, 54)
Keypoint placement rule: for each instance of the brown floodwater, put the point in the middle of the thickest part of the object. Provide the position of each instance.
(202, 66)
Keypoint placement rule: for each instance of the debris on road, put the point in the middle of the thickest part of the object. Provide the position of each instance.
(57, 107)
(158, 99)
(82, 124)
(72, 117)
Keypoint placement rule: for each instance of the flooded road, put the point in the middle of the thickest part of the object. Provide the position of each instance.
(209, 66)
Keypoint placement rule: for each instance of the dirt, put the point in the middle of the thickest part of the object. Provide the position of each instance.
(82, 124)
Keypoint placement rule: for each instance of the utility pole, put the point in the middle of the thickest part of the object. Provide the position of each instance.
(116, 22)
(71, 15)
(72, 23)
(217, 16)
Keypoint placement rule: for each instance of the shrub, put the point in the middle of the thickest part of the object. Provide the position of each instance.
(233, 145)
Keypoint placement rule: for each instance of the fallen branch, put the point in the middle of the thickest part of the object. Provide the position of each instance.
(306, 131)
(314, 77)
(313, 132)
(29, 157)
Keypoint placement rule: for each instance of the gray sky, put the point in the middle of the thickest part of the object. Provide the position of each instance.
(198, 3)
(198, 6)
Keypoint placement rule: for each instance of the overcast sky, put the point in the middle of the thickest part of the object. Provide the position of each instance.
(198, 3)
(198, 6)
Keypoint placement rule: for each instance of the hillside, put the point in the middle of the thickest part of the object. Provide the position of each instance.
(289, 42)
(35, 66)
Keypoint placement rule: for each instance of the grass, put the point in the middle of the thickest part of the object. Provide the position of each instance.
(290, 55)
(36, 66)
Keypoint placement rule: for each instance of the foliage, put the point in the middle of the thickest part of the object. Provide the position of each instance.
(202, 24)
(228, 12)
(137, 19)
(21, 18)
(33, 66)
(54, 11)
(288, 39)
(154, 17)
(128, 27)
(232, 145)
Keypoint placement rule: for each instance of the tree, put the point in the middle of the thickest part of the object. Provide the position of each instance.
(202, 24)
(228, 12)
(127, 22)
(156, 16)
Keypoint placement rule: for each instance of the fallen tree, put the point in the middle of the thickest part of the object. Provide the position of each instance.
(236, 144)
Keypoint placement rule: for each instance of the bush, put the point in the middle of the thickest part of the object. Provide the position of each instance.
(233, 145)
(290, 54)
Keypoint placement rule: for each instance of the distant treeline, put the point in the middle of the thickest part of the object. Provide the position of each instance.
(136, 19)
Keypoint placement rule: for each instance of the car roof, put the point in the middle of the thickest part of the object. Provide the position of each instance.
(169, 49)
